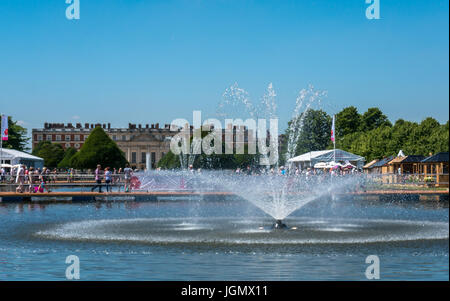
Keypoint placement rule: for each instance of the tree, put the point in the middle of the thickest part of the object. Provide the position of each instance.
(98, 149)
(315, 132)
(169, 161)
(52, 153)
(347, 121)
(17, 136)
(372, 119)
(68, 154)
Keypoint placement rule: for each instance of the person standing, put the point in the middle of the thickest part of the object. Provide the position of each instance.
(127, 176)
(108, 179)
(98, 179)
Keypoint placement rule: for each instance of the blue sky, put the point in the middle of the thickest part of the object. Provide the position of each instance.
(154, 61)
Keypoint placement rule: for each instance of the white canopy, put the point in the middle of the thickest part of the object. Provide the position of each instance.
(338, 155)
(17, 157)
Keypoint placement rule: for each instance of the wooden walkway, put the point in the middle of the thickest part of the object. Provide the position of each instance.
(83, 196)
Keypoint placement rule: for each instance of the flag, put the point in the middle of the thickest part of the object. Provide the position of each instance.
(332, 130)
(4, 127)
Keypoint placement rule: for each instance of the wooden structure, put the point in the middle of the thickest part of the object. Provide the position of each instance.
(435, 168)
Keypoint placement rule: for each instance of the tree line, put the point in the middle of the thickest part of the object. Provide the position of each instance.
(370, 134)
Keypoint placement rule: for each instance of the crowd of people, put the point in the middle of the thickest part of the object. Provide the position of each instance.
(28, 179)
(34, 180)
(112, 177)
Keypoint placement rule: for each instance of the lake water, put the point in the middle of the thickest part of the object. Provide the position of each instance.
(192, 239)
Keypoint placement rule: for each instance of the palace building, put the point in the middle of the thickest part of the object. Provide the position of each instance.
(143, 146)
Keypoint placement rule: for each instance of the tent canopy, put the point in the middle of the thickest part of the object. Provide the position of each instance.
(327, 156)
(17, 157)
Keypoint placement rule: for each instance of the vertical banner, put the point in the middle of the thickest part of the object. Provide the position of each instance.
(4, 127)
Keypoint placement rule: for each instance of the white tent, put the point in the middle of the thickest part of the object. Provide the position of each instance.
(14, 157)
(401, 154)
(320, 165)
(338, 155)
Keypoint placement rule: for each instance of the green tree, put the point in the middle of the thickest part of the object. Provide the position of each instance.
(372, 119)
(98, 149)
(17, 136)
(52, 153)
(315, 132)
(424, 137)
(347, 121)
(68, 154)
(169, 161)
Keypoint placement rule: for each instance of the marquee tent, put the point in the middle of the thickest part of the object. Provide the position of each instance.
(312, 158)
(14, 157)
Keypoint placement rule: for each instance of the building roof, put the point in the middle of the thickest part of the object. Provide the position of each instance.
(382, 162)
(397, 160)
(413, 159)
(439, 157)
(408, 159)
(326, 156)
(9, 154)
(368, 165)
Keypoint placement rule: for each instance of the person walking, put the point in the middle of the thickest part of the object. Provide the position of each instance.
(98, 179)
(108, 179)
(127, 177)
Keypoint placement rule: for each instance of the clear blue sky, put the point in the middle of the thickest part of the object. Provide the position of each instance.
(154, 61)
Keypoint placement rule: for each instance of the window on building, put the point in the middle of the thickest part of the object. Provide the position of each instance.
(67, 145)
(67, 137)
(77, 145)
(77, 137)
(114, 137)
(143, 157)
(58, 137)
(49, 137)
(133, 157)
(124, 138)
(40, 138)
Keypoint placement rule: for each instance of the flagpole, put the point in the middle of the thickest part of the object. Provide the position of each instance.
(334, 138)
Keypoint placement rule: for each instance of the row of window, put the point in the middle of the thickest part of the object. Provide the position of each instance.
(59, 138)
(128, 137)
(83, 137)
(76, 145)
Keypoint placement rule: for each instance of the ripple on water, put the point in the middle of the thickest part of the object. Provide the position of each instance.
(234, 231)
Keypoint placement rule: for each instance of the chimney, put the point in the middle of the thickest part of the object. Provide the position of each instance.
(109, 125)
(86, 125)
(157, 125)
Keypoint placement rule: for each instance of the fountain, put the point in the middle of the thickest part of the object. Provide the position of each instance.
(276, 195)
